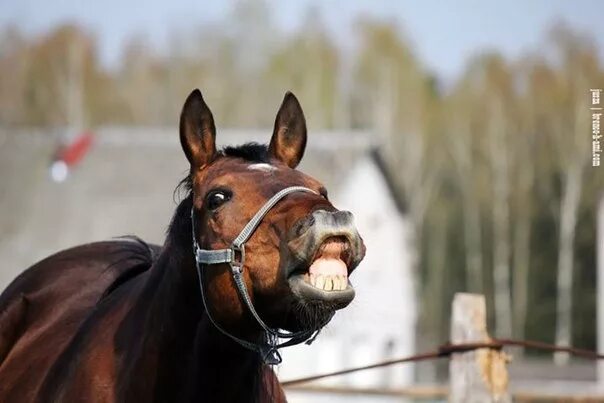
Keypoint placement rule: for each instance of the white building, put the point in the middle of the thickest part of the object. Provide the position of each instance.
(380, 322)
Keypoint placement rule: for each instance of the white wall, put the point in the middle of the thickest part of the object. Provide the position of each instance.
(380, 322)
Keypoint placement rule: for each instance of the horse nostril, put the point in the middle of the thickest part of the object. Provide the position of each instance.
(343, 217)
(303, 225)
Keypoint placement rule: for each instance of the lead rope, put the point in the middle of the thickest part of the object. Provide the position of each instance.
(269, 350)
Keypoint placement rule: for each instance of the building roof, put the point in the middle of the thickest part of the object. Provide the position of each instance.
(124, 185)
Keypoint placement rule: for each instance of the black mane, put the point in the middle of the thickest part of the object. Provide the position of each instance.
(252, 152)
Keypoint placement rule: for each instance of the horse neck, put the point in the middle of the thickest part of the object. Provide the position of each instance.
(228, 372)
(180, 348)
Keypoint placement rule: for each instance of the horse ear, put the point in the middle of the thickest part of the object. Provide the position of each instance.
(197, 131)
(289, 135)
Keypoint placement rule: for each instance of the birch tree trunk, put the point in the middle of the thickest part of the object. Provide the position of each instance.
(501, 225)
(473, 240)
(573, 156)
(522, 240)
(569, 205)
(461, 147)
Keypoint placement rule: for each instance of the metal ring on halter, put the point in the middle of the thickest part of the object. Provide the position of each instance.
(269, 350)
(237, 265)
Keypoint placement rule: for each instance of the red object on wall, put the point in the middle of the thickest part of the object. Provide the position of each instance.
(75, 151)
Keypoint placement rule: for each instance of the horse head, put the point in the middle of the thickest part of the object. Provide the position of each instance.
(296, 263)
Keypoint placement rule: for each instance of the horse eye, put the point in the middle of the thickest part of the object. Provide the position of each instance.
(217, 198)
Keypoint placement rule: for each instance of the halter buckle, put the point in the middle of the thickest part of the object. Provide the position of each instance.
(238, 258)
(270, 355)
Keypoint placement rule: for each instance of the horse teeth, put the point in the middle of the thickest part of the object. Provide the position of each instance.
(328, 283)
(319, 281)
(343, 282)
(337, 283)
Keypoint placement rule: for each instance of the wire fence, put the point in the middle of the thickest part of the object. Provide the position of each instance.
(446, 350)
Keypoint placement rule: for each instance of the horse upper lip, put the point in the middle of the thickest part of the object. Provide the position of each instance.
(334, 247)
(330, 247)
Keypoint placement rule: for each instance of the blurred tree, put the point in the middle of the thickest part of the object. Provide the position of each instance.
(499, 100)
(14, 63)
(464, 146)
(482, 112)
(141, 83)
(391, 93)
(62, 65)
(524, 160)
(395, 99)
(578, 68)
(308, 64)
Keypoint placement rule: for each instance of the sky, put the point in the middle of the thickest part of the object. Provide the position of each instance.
(443, 34)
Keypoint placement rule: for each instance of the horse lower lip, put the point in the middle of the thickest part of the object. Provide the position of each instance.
(306, 291)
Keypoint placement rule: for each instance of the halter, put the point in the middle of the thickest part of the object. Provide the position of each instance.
(235, 257)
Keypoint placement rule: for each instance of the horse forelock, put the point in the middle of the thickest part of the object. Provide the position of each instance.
(251, 152)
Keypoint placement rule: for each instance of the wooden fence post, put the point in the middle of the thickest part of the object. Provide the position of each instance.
(476, 376)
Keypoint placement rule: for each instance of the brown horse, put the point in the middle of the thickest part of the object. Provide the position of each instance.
(254, 254)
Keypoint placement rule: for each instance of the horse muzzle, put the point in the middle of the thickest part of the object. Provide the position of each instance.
(324, 249)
